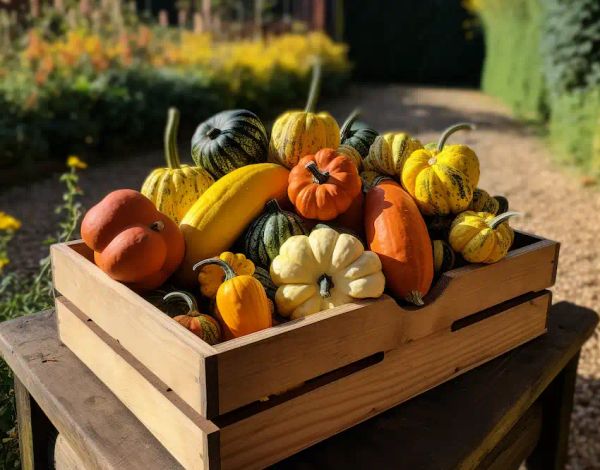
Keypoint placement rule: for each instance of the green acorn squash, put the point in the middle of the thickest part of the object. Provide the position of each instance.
(229, 140)
(357, 135)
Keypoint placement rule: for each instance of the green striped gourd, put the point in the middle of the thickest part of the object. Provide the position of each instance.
(229, 140)
(174, 189)
(357, 135)
(264, 278)
(483, 202)
(443, 257)
(266, 234)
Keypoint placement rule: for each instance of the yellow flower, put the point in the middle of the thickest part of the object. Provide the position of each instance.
(3, 262)
(75, 162)
(8, 222)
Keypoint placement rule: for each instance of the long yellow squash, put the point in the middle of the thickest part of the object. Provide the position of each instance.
(222, 213)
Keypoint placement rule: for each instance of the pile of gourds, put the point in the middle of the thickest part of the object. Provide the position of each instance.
(266, 229)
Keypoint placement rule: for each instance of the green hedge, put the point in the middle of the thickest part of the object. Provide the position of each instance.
(543, 59)
(513, 66)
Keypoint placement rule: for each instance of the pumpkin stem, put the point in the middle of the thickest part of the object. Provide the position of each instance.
(272, 206)
(415, 298)
(213, 133)
(318, 176)
(451, 130)
(348, 124)
(325, 285)
(229, 272)
(171, 151)
(496, 221)
(189, 300)
(315, 86)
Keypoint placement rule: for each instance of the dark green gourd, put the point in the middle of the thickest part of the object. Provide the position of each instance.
(229, 140)
(357, 135)
(266, 234)
(264, 278)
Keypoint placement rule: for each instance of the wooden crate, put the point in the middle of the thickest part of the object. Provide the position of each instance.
(206, 403)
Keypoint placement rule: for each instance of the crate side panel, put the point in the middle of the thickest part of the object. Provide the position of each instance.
(167, 350)
(407, 371)
(184, 434)
(267, 364)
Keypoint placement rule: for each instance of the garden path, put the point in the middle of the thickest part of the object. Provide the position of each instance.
(515, 162)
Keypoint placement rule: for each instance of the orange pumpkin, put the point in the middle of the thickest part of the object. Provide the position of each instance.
(396, 231)
(353, 217)
(203, 326)
(132, 241)
(322, 186)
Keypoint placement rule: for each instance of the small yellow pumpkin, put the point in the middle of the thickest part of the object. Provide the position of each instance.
(299, 133)
(324, 270)
(481, 237)
(389, 152)
(483, 202)
(174, 189)
(211, 276)
(442, 180)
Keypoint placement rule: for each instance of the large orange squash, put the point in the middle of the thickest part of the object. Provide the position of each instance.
(396, 231)
(323, 186)
(132, 241)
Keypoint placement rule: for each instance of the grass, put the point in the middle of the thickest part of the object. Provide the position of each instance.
(20, 294)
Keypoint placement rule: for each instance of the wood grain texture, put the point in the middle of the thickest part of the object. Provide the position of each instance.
(457, 424)
(404, 373)
(24, 425)
(172, 353)
(64, 457)
(102, 431)
(183, 432)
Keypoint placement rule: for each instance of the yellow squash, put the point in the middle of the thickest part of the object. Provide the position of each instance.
(222, 213)
(299, 133)
(174, 189)
(212, 276)
(481, 237)
(389, 151)
(442, 180)
(483, 202)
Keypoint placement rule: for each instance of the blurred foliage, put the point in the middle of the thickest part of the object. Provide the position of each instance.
(413, 41)
(98, 81)
(543, 59)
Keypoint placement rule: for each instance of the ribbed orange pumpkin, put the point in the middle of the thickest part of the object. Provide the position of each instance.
(322, 186)
(396, 231)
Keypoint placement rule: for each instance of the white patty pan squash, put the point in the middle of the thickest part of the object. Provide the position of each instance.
(324, 270)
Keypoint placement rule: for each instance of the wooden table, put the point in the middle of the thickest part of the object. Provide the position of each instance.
(513, 408)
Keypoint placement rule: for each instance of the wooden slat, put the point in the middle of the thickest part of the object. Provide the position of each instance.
(518, 444)
(405, 372)
(173, 354)
(457, 424)
(102, 431)
(64, 457)
(185, 433)
(23, 405)
(252, 367)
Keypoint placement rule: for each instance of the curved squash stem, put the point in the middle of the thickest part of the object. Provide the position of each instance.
(315, 87)
(229, 272)
(171, 151)
(320, 178)
(214, 132)
(451, 130)
(496, 221)
(325, 286)
(415, 298)
(348, 124)
(272, 206)
(189, 300)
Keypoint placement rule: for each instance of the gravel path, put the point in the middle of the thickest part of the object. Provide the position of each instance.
(514, 161)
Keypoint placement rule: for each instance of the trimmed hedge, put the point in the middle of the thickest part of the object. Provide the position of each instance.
(543, 59)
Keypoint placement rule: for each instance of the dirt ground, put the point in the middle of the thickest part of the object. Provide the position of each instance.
(515, 162)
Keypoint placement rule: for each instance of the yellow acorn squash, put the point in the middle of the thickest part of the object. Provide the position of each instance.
(442, 180)
(222, 213)
(481, 237)
(389, 151)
